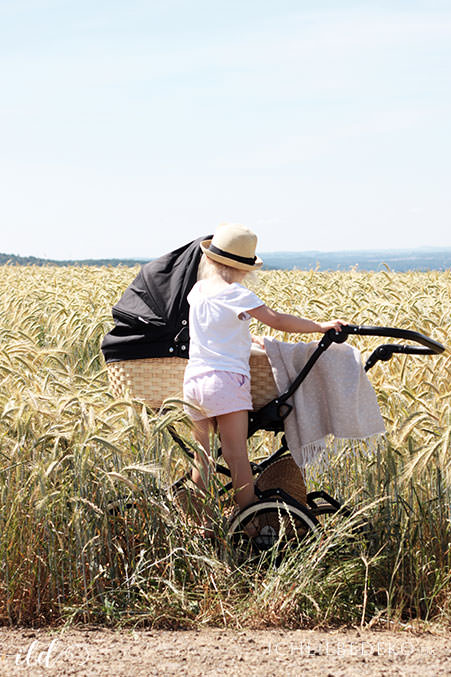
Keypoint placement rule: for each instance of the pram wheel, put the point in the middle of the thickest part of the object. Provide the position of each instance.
(267, 524)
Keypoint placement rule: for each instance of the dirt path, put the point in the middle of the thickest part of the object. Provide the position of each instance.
(216, 652)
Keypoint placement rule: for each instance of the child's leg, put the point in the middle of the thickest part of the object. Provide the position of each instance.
(233, 432)
(200, 473)
(201, 469)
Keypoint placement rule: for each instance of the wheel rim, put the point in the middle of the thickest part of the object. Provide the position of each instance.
(277, 525)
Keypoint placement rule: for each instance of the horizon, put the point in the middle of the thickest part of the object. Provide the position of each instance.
(284, 252)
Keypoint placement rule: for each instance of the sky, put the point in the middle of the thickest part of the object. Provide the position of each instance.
(128, 128)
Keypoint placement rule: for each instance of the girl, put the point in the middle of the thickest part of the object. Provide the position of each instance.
(217, 377)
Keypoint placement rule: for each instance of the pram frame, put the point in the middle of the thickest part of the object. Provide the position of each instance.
(271, 418)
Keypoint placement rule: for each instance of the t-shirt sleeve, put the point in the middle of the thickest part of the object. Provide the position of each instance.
(242, 300)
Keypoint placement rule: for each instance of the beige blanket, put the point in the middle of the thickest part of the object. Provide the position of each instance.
(335, 401)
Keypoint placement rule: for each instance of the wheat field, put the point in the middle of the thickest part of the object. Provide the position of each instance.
(69, 451)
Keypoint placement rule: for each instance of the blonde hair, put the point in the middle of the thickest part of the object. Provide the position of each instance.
(209, 268)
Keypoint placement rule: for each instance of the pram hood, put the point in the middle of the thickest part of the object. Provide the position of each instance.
(151, 317)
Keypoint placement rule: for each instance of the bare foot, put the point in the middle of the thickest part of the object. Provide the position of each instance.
(252, 528)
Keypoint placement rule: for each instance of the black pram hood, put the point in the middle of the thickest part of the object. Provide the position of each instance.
(151, 317)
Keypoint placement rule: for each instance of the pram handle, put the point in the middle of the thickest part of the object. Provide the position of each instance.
(386, 351)
(393, 332)
(429, 347)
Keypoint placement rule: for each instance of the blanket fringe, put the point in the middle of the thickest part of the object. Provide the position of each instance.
(316, 457)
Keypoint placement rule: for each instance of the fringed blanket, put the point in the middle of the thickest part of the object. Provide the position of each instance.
(336, 401)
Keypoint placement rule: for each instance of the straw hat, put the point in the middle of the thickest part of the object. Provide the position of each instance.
(234, 246)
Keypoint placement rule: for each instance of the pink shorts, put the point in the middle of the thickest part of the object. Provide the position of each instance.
(216, 393)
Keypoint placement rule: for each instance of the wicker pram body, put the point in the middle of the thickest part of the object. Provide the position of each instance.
(154, 380)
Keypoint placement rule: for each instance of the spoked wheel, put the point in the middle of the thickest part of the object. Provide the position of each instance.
(268, 524)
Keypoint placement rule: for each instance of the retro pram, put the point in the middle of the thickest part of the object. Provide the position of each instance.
(145, 356)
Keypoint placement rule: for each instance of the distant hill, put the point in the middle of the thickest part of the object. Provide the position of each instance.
(12, 259)
(398, 260)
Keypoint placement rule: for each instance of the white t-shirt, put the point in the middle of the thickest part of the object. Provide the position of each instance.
(219, 328)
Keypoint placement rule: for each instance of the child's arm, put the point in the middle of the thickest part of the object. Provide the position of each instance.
(292, 323)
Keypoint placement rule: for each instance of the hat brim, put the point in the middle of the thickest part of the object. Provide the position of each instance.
(228, 261)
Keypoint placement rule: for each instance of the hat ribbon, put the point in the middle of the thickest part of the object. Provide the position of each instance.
(241, 259)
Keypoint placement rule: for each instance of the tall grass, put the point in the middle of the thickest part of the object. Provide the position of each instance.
(89, 532)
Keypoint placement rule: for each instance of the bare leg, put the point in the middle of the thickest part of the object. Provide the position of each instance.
(233, 432)
(201, 469)
(200, 473)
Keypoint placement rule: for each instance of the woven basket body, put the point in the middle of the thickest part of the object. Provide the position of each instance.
(286, 475)
(263, 386)
(155, 379)
(150, 379)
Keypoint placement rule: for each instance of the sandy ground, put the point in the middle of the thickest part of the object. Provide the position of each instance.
(223, 652)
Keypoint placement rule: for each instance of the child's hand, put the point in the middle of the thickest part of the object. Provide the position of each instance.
(259, 341)
(332, 324)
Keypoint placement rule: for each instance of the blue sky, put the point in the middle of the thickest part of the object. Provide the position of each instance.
(128, 128)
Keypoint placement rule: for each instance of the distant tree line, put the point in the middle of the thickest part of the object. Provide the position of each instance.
(399, 260)
(12, 259)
